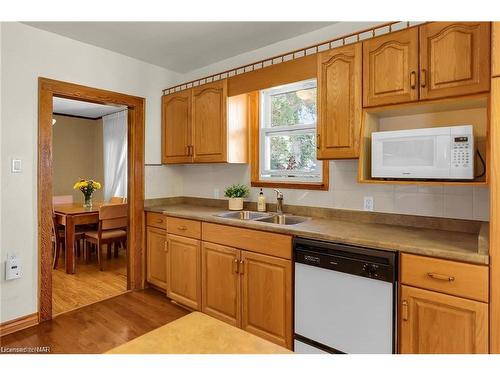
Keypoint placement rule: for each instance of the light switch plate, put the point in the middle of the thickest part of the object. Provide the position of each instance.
(17, 166)
(12, 267)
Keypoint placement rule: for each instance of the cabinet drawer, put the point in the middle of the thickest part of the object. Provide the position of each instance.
(184, 227)
(154, 219)
(459, 279)
(274, 244)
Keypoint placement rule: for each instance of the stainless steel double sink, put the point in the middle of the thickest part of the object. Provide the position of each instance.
(265, 217)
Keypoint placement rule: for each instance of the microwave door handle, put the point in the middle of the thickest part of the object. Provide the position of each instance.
(443, 152)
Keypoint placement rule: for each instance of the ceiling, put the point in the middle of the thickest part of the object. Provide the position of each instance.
(180, 46)
(83, 109)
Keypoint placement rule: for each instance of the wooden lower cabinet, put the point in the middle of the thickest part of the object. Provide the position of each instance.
(436, 323)
(248, 290)
(267, 297)
(184, 271)
(156, 257)
(221, 282)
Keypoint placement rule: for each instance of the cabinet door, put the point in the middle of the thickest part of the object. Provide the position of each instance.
(390, 68)
(266, 297)
(184, 271)
(339, 102)
(436, 323)
(495, 49)
(209, 122)
(220, 283)
(454, 59)
(176, 128)
(156, 263)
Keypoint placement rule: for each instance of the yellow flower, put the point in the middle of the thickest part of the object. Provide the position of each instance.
(97, 185)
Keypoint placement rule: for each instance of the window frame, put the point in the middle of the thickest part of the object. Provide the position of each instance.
(258, 137)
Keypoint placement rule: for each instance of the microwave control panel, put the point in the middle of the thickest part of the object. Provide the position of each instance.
(462, 151)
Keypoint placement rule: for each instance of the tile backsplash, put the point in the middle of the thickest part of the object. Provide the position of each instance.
(469, 202)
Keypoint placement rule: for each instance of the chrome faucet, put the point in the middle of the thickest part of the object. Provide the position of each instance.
(279, 201)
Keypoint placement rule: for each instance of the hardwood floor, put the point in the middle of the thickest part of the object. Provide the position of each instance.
(88, 285)
(100, 327)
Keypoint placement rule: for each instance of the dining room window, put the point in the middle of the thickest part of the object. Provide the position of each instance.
(287, 136)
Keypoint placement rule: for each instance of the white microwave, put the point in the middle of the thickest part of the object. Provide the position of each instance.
(429, 153)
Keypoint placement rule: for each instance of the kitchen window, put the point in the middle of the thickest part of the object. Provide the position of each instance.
(287, 138)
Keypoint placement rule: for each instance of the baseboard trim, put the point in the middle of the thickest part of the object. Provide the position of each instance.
(18, 324)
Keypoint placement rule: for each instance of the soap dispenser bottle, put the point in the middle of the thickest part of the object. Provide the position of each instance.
(261, 202)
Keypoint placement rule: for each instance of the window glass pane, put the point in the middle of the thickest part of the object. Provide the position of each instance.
(291, 108)
(292, 152)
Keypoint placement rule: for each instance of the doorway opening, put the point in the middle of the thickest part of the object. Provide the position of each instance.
(89, 143)
(100, 251)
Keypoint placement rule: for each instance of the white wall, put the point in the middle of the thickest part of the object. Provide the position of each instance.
(26, 54)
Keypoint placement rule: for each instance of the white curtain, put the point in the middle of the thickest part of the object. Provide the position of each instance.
(114, 128)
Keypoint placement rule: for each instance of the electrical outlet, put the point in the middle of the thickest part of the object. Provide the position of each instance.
(12, 267)
(216, 193)
(368, 204)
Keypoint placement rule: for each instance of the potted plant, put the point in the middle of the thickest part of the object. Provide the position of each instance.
(87, 187)
(236, 193)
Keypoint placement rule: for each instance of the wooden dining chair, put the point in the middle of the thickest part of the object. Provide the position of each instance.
(59, 243)
(118, 200)
(62, 199)
(112, 228)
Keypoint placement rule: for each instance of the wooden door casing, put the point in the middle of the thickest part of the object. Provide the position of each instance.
(390, 68)
(454, 59)
(221, 283)
(184, 271)
(209, 121)
(156, 257)
(436, 323)
(176, 128)
(267, 297)
(339, 102)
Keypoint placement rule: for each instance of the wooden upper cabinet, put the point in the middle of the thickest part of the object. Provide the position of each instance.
(390, 68)
(176, 128)
(267, 297)
(184, 271)
(156, 257)
(221, 297)
(209, 122)
(436, 323)
(454, 59)
(339, 102)
(495, 49)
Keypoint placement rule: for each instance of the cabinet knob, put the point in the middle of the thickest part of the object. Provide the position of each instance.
(235, 265)
(413, 80)
(241, 269)
(423, 77)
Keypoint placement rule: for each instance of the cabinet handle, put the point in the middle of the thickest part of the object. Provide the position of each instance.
(413, 80)
(192, 150)
(318, 141)
(159, 221)
(404, 310)
(438, 276)
(241, 268)
(187, 150)
(423, 77)
(235, 265)
(166, 246)
(181, 227)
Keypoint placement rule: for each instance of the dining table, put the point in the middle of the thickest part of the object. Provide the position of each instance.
(70, 215)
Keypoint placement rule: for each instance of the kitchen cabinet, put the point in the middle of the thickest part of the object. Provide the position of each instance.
(176, 128)
(204, 125)
(495, 49)
(267, 297)
(156, 257)
(454, 59)
(390, 68)
(436, 323)
(184, 270)
(221, 281)
(339, 102)
(248, 290)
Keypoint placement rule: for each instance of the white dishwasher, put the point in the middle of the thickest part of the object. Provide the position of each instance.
(345, 298)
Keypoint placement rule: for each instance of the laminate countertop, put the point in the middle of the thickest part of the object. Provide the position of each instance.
(460, 246)
(198, 333)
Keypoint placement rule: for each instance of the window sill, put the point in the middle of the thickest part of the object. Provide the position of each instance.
(291, 185)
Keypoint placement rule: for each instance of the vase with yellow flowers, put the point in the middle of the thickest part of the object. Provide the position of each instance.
(87, 187)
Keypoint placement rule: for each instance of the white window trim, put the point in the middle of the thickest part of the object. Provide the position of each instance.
(265, 130)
